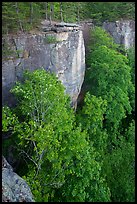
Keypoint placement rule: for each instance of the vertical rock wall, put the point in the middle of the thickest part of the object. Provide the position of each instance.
(65, 56)
(123, 32)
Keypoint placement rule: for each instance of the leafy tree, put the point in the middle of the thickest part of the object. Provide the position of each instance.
(91, 119)
(59, 156)
(110, 11)
(131, 58)
(111, 79)
(109, 76)
(10, 131)
(24, 16)
(9, 17)
(99, 37)
(87, 156)
(86, 188)
(119, 166)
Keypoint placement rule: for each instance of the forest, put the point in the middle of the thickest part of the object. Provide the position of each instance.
(87, 155)
(23, 16)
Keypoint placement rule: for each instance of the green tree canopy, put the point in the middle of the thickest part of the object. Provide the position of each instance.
(110, 76)
(24, 16)
(60, 158)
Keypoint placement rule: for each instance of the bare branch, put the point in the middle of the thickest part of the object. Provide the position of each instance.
(39, 163)
(23, 152)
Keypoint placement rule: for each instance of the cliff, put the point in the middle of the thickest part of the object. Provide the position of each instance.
(123, 32)
(59, 49)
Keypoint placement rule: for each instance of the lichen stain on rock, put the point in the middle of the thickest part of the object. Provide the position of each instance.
(25, 54)
(62, 36)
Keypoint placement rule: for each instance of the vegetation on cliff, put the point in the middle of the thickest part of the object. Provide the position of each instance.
(59, 154)
(111, 77)
(82, 156)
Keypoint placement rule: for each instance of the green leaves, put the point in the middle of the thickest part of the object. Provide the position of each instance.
(111, 78)
(9, 119)
(89, 156)
(62, 155)
(119, 168)
(110, 11)
(27, 15)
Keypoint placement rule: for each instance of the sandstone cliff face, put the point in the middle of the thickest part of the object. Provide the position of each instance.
(59, 52)
(122, 31)
(14, 188)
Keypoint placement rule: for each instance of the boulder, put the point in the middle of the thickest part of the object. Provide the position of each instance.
(14, 188)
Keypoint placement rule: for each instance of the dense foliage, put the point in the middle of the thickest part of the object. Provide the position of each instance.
(82, 156)
(110, 11)
(110, 75)
(25, 15)
(60, 156)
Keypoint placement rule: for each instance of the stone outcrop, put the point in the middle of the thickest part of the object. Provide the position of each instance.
(14, 188)
(59, 48)
(62, 52)
(59, 27)
(123, 32)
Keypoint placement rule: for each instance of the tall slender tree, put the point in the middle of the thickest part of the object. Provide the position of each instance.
(46, 10)
(51, 11)
(31, 12)
(19, 19)
(78, 17)
(61, 15)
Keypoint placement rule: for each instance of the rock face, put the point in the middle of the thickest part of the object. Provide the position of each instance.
(122, 31)
(60, 52)
(86, 26)
(14, 188)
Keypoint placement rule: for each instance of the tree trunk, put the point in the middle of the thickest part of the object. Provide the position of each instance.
(51, 11)
(78, 13)
(31, 12)
(46, 9)
(50, 18)
(61, 15)
(19, 20)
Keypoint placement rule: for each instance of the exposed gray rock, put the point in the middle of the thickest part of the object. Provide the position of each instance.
(59, 29)
(5, 164)
(123, 32)
(65, 56)
(64, 29)
(62, 24)
(14, 188)
(47, 23)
